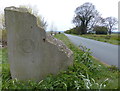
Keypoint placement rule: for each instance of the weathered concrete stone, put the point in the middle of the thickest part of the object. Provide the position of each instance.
(32, 54)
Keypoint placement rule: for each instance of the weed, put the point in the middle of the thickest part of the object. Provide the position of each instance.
(86, 73)
(113, 38)
(113, 68)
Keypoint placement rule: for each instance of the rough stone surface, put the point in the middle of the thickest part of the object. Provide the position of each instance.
(32, 54)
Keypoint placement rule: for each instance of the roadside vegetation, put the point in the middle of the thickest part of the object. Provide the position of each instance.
(101, 35)
(86, 73)
(88, 22)
(112, 39)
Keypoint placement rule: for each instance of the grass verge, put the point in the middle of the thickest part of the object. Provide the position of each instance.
(86, 73)
(112, 39)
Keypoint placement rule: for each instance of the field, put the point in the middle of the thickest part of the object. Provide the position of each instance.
(86, 73)
(112, 39)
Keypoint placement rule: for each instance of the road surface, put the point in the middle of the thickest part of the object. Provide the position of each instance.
(105, 52)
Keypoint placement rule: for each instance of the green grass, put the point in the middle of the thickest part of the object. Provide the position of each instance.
(86, 73)
(112, 39)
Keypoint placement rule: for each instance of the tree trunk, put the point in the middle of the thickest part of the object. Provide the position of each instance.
(109, 32)
(83, 29)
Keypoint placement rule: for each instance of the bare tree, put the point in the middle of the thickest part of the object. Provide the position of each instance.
(83, 15)
(53, 28)
(110, 22)
(76, 21)
(40, 20)
(97, 21)
(2, 21)
(3, 32)
(31, 10)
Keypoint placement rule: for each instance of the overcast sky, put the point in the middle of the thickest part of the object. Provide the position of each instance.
(60, 12)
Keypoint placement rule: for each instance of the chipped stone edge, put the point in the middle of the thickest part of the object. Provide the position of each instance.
(49, 38)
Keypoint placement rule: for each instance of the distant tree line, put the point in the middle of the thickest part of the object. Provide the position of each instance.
(88, 20)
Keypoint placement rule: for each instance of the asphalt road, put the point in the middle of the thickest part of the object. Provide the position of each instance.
(105, 52)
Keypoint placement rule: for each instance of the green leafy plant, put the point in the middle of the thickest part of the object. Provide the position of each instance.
(86, 73)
